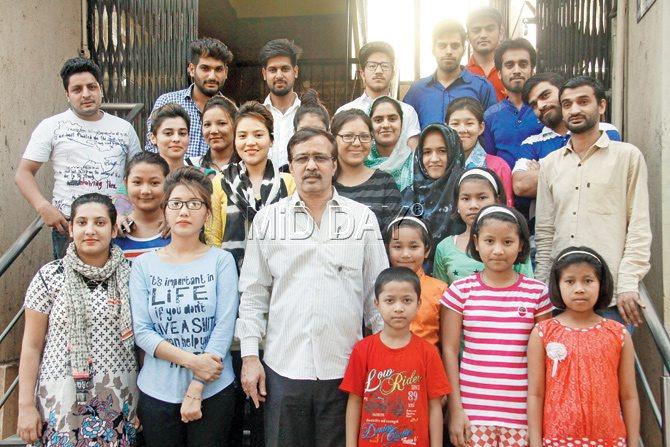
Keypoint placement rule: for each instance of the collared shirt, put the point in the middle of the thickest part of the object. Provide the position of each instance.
(410, 120)
(308, 287)
(196, 142)
(493, 77)
(538, 146)
(600, 201)
(283, 130)
(506, 128)
(430, 99)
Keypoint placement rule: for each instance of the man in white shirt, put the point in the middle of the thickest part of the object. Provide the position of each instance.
(88, 149)
(307, 284)
(279, 59)
(376, 62)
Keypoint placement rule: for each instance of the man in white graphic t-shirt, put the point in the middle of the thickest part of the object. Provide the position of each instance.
(87, 147)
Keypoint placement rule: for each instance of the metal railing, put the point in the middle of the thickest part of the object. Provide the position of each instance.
(6, 261)
(662, 342)
(132, 110)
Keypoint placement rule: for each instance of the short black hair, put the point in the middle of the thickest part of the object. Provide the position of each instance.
(600, 268)
(307, 134)
(501, 196)
(311, 104)
(408, 222)
(209, 47)
(472, 105)
(518, 220)
(79, 65)
(375, 47)
(169, 110)
(580, 81)
(280, 47)
(514, 44)
(448, 27)
(487, 12)
(93, 197)
(399, 274)
(151, 158)
(555, 79)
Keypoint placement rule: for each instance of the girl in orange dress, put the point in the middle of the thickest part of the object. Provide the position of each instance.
(581, 378)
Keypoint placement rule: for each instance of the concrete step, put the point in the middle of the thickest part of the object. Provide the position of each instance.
(12, 441)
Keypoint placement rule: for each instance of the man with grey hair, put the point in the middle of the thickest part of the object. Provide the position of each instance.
(307, 283)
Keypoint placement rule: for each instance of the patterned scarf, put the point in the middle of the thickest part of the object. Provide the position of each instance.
(242, 204)
(116, 272)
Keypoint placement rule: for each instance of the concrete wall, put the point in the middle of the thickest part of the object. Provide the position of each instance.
(646, 112)
(36, 38)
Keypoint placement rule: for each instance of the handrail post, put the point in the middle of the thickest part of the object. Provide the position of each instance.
(665, 396)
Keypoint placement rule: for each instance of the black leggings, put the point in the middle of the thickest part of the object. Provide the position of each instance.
(162, 425)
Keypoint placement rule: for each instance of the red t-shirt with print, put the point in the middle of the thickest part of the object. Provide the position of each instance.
(396, 385)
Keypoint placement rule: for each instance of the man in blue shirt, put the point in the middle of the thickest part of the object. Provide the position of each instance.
(430, 96)
(541, 95)
(208, 67)
(511, 121)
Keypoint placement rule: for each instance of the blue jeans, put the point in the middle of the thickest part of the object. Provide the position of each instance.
(59, 243)
(612, 313)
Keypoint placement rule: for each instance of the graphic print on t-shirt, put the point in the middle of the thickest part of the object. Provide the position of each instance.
(390, 407)
(99, 174)
(180, 310)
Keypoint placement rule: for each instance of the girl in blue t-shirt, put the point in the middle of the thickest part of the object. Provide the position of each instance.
(184, 302)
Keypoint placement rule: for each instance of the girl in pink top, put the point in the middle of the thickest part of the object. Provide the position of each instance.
(466, 116)
(581, 378)
(494, 312)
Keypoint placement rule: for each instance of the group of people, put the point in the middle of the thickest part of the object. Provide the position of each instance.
(488, 234)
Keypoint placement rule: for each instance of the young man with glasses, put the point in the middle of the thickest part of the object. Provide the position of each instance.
(306, 284)
(376, 61)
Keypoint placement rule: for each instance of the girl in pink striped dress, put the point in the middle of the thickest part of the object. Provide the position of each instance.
(494, 312)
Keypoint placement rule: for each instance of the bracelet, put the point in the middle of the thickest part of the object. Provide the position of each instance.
(199, 380)
(193, 397)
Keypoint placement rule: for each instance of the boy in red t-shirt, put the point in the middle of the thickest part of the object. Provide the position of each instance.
(395, 379)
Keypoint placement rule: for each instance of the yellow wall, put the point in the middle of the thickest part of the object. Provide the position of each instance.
(283, 8)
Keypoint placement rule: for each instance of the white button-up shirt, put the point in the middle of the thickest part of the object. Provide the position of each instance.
(308, 288)
(410, 120)
(283, 130)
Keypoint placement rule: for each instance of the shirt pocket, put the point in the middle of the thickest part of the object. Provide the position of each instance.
(601, 194)
(344, 258)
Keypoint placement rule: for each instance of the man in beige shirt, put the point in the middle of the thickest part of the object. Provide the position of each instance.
(593, 192)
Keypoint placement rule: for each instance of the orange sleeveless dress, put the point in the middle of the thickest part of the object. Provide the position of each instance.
(581, 397)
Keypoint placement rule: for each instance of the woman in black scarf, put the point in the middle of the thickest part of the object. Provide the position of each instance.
(438, 164)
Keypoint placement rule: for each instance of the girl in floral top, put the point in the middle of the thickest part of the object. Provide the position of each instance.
(78, 370)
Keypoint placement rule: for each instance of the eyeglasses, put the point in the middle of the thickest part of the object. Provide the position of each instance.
(319, 159)
(372, 66)
(192, 205)
(350, 137)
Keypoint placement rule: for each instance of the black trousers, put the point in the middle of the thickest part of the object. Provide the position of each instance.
(304, 413)
(246, 414)
(162, 425)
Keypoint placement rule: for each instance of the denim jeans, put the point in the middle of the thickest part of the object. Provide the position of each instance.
(59, 243)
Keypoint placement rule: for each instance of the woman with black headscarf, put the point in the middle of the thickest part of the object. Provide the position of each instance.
(438, 164)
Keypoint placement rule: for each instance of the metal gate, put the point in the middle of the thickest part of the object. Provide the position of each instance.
(141, 48)
(574, 37)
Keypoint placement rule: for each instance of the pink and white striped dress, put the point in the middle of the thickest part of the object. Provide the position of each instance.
(496, 326)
